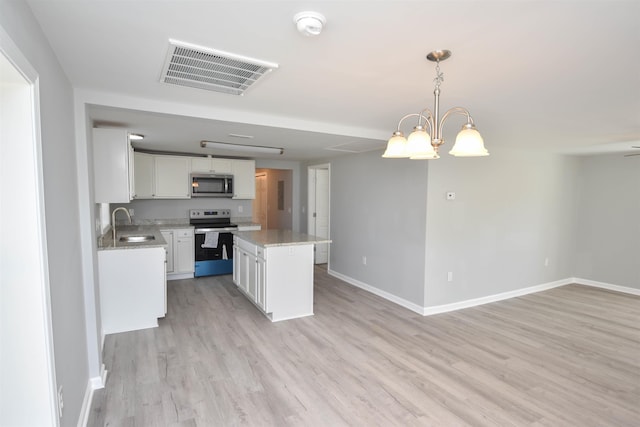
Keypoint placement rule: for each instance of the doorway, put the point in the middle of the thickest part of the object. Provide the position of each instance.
(27, 372)
(273, 206)
(319, 181)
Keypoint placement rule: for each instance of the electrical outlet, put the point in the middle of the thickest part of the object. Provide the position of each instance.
(546, 262)
(131, 212)
(451, 195)
(240, 208)
(364, 260)
(450, 276)
(60, 402)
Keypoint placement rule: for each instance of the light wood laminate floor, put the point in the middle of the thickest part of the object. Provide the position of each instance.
(569, 356)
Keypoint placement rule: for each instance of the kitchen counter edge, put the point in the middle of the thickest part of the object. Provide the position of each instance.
(272, 238)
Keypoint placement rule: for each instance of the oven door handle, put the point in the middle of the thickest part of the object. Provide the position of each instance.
(204, 230)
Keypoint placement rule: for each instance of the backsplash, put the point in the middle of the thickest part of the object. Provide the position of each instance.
(179, 209)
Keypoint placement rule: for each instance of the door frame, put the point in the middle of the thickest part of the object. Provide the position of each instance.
(37, 344)
(266, 213)
(311, 191)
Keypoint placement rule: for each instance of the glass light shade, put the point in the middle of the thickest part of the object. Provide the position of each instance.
(469, 143)
(396, 147)
(426, 155)
(419, 144)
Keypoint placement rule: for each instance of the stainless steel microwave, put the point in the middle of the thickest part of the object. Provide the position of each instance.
(211, 185)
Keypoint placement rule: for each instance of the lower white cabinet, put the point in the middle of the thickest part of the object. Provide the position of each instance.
(180, 253)
(132, 288)
(277, 279)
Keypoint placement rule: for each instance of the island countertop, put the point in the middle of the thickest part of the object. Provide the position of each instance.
(268, 238)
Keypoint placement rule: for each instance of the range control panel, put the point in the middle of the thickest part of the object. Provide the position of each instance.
(209, 213)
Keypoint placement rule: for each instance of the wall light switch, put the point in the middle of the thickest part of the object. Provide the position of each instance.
(240, 209)
(451, 195)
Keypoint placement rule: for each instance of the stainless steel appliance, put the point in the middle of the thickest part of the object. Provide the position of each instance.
(211, 185)
(213, 241)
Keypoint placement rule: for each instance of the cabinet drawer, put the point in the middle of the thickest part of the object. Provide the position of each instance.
(246, 246)
(184, 233)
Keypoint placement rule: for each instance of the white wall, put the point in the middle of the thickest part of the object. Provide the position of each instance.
(378, 209)
(512, 211)
(607, 215)
(61, 205)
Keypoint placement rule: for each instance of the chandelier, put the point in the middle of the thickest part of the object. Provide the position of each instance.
(426, 138)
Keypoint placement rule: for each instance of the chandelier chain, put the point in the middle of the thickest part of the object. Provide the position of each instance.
(439, 76)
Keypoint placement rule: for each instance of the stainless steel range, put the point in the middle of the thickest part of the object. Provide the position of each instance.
(213, 241)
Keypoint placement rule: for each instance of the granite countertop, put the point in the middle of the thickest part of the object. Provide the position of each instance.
(105, 242)
(164, 224)
(267, 238)
(248, 223)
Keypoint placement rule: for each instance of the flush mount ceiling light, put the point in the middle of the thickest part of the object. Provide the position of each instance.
(243, 148)
(424, 145)
(135, 137)
(309, 23)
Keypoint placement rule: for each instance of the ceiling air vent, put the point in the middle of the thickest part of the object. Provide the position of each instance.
(203, 68)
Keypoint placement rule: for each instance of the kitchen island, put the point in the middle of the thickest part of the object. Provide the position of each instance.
(274, 270)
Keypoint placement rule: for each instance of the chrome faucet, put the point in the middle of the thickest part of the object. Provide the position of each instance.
(113, 220)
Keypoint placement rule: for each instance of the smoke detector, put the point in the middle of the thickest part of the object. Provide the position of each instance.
(309, 23)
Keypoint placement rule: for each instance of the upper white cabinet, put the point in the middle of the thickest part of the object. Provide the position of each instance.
(143, 176)
(171, 177)
(210, 165)
(111, 166)
(159, 176)
(244, 179)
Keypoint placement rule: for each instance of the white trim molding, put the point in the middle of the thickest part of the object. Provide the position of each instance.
(444, 308)
(94, 384)
(609, 286)
(386, 295)
(437, 309)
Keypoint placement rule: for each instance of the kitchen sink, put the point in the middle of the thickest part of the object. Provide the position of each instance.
(137, 239)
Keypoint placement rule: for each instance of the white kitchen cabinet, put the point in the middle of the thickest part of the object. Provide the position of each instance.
(244, 179)
(277, 279)
(132, 288)
(168, 237)
(210, 165)
(111, 149)
(184, 254)
(180, 253)
(261, 283)
(142, 176)
(171, 177)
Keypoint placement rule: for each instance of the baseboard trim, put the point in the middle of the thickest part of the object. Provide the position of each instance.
(444, 308)
(93, 384)
(603, 285)
(179, 276)
(383, 294)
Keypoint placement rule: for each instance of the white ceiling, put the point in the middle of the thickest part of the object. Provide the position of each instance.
(557, 75)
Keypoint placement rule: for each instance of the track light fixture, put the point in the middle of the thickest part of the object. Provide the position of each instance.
(240, 147)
